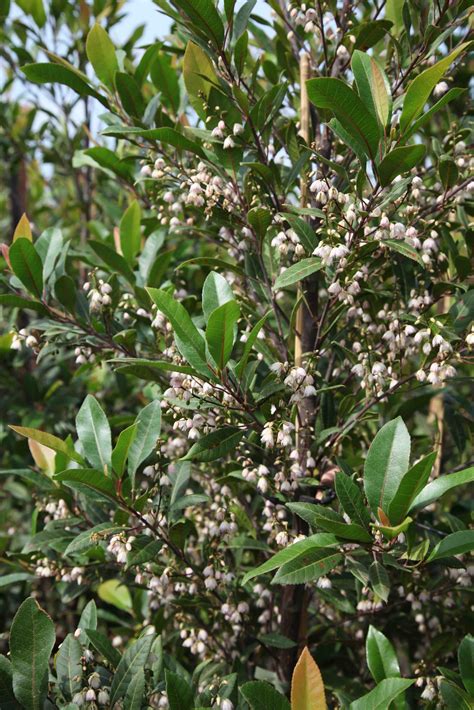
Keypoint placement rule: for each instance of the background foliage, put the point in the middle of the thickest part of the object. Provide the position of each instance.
(236, 356)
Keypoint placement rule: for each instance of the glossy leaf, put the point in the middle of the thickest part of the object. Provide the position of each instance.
(132, 661)
(263, 696)
(456, 543)
(379, 580)
(381, 657)
(440, 486)
(135, 691)
(289, 553)
(190, 342)
(466, 663)
(130, 234)
(405, 249)
(345, 104)
(94, 434)
(386, 464)
(27, 265)
(215, 445)
(372, 85)
(49, 440)
(421, 87)
(220, 332)
(148, 424)
(398, 161)
(382, 695)
(308, 566)
(32, 639)
(215, 292)
(197, 68)
(114, 592)
(68, 664)
(320, 516)
(48, 73)
(101, 54)
(179, 693)
(351, 499)
(410, 486)
(307, 687)
(297, 272)
(122, 448)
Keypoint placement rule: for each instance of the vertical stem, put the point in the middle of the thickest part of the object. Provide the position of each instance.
(295, 600)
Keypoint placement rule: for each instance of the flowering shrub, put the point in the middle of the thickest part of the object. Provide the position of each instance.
(256, 341)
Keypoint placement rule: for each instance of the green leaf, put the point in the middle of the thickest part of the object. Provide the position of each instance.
(32, 639)
(263, 696)
(448, 172)
(189, 341)
(180, 694)
(466, 663)
(93, 431)
(252, 337)
(114, 260)
(220, 332)
(130, 233)
(451, 95)
(456, 543)
(276, 640)
(345, 104)
(114, 592)
(381, 657)
(148, 424)
(135, 691)
(405, 249)
(386, 464)
(320, 516)
(308, 566)
(101, 54)
(215, 445)
(351, 500)
(130, 95)
(400, 160)
(90, 538)
(454, 698)
(289, 553)
(260, 219)
(13, 301)
(392, 531)
(68, 664)
(298, 272)
(440, 486)
(122, 448)
(49, 73)
(215, 292)
(382, 695)
(88, 618)
(304, 231)
(88, 479)
(373, 86)
(379, 580)
(103, 646)
(196, 67)
(421, 87)
(27, 266)
(50, 441)
(410, 486)
(205, 17)
(7, 699)
(133, 659)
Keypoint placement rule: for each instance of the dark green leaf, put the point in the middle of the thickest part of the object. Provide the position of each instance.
(386, 464)
(93, 431)
(130, 94)
(440, 486)
(132, 660)
(32, 639)
(373, 86)
(466, 663)
(382, 695)
(379, 580)
(399, 161)
(456, 543)
(351, 500)
(180, 694)
(48, 73)
(345, 104)
(27, 265)
(410, 486)
(215, 445)
(69, 666)
(263, 696)
(297, 272)
(220, 332)
(308, 566)
(381, 657)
